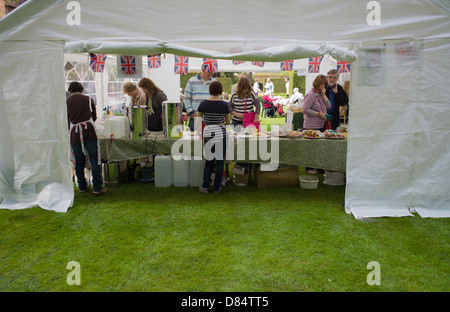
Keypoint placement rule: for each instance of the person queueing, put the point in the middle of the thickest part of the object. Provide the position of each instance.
(337, 96)
(243, 100)
(197, 89)
(315, 106)
(81, 114)
(215, 114)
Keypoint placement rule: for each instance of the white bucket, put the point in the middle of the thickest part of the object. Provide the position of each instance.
(163, 171)
(334, 178)
(308, 182)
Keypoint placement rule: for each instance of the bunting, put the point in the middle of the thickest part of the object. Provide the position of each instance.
(314, 64)
(181, 64)
(287, 65)
(128, 64)
(260, 64)
(210, 65)
(154, 61)
(97, 62)
(343, 67)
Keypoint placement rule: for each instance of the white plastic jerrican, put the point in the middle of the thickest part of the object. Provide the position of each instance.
(163, 171)
(116, 126)
(180, 172)
(196, 172)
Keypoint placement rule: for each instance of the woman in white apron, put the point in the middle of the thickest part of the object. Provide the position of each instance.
(83, 138)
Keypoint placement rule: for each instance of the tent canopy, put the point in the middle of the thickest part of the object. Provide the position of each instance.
(284, 30)
(398, 145)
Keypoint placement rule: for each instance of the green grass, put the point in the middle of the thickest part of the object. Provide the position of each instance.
(268, 122)
(142, 238)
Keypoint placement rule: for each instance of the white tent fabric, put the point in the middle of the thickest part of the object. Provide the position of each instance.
(398, 151)
(34, 167)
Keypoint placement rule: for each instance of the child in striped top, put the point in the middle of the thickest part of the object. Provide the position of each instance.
(215, 113)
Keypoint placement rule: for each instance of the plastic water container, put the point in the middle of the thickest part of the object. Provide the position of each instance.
(180, 172)
(117, 126)
(196, 172)
(163, 171)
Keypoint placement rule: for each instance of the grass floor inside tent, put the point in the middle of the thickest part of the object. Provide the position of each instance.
(245, 239)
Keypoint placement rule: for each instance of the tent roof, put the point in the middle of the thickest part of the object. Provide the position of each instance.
(262, 30)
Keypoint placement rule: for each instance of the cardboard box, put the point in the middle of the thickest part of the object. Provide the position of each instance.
(283, 176)
(241, 178)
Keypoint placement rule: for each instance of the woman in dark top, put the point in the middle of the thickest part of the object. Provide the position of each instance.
(83, 138)
(155, 98)
(215, 113)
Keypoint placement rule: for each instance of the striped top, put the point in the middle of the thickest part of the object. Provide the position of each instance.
(238, 105)
(196, 91)
(214, 113)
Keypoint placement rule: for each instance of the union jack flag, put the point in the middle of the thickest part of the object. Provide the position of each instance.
(406, 52)
(128, 64)
(235, 62)
(374, 57)
(97, 62)
(181, 64)
(343, 67)
(287, 65)
(260, 64)
(154, 61)
(210, 65)
(314, 64)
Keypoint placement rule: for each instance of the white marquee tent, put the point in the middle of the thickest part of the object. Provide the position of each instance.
(399, 135)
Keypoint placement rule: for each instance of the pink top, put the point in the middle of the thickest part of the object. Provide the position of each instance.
(314, 103)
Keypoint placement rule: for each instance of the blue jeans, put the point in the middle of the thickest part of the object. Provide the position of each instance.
(219, 164)
(207, 171)
(91, 148)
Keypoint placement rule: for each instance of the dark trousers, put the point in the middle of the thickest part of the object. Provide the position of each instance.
(218, 164)
(208, 170)
(91, 148)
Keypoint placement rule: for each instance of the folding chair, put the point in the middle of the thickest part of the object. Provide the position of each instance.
(269, 108)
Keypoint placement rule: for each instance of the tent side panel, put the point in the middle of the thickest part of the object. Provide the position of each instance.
(383, 113)
(430, 177)
(398, 149)
(35, 168)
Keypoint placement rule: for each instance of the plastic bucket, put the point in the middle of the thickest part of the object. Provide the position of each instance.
(308, 182)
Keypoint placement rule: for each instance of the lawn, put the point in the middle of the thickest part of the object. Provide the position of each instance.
(249, 239)
(142, 238)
